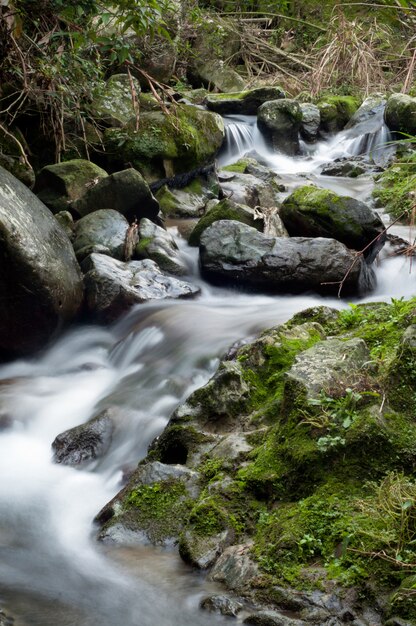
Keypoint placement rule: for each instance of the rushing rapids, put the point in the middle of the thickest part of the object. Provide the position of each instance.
(52, 570)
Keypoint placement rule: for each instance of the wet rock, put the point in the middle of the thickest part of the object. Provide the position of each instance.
(85, 443)
(112, 286)
(222, 604)
(369, 116)
(244, 102)
(60, 185)
(330, 364)
(6, 620)
(102, 231)
(235, 568)
(311, 119)
(234, 253)
(126, 192)
(113, 102)
(400, 113)
(351, 168)
(40, 281)
(157, 244)
(166, 145)
(272, 618)
(313, 212)
(280, 122)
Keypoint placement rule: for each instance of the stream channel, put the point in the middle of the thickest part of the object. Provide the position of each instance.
(53, 572)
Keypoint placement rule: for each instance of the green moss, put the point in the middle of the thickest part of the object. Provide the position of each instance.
(239, 167)
(159, 509)
(336, 111)
(395, 188)
(208, 518)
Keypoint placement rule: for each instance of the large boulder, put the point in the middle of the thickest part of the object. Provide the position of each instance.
(400, 113)
(249, 189)
(218, 75)
(167, 144)
(238, 254)
(313, 212)
(40, 281)
(102, 231)
(243, 102)
(112, 287)
(61, 184)
(157, 244)
(125, 191)
(280, 122)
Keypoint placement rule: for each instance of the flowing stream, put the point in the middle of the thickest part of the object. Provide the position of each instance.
(52, 570)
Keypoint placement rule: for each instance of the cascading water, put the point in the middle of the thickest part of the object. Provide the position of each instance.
(52, 570)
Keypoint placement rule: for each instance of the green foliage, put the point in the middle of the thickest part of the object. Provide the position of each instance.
(396, 186)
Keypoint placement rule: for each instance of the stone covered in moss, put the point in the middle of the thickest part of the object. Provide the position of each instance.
(323, 496)
(125, 191)
(280, 121)
(314, 212)
(400, 113)
(60, 185)
(165, 145)
(225, 210)
(244, 102)
(190, 200)
(336, 111)
(113, 103)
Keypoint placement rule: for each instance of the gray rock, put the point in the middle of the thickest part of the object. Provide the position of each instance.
(6, 620)
(112, 286)
(191, 200)
(85, 443)
(311, 119)
(280, 121)
(157, 244)
(66, 220)
(62, 184)
(235, 568)
(330, 364)
(222, 604)
(350, 168)
(234, 253)
(125, 191)
(249, 190)
(202, 551)
(369, 116)
(102, 231)
(243, 103)
(40, 281)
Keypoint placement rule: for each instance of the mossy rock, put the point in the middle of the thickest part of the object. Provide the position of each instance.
(60, 185)
(336, 111)
(280, 122)
(224, 210)
(244, 102)
(190, 200)
(113, 101)
(314, 212)
(166, 145)
(400, 113)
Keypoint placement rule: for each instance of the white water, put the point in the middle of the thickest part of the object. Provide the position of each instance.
(52, 571)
